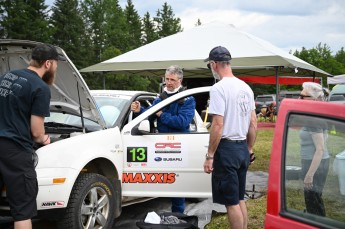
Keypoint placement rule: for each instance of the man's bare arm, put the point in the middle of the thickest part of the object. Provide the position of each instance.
(37, 130)
(215, 133)
(251, 136)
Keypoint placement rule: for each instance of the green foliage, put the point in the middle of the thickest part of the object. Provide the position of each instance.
(133, 26)
(25, 20)
(167, 24)
(105, 25)
(116, 29)
(321, 57)
(149, 30)
(340, 56)
(71, 36)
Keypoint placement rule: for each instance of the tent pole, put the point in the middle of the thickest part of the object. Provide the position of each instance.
(104, 81)
(277, 90)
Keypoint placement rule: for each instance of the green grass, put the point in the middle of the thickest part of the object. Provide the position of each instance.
(262, 150)
(256, 215)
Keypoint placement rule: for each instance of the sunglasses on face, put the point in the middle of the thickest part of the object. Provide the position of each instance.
(304, 96)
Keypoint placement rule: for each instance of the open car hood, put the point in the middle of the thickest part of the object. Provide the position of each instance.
(69, 93)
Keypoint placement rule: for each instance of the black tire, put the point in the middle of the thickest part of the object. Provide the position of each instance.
(91, 204)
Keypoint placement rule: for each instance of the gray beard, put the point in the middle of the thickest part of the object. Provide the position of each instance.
(215, 74)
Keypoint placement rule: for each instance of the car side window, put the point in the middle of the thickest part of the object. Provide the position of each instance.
(314, 171)
(197, 125)
(145, 102)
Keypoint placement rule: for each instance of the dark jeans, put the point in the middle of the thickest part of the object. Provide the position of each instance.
(313, 197)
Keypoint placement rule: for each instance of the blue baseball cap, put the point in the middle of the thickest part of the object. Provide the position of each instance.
(219, 53)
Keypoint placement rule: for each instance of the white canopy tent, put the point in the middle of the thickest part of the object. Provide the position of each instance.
(252, 56)
(338, 79)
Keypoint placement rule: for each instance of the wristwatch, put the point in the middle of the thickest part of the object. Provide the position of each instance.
(208, 157)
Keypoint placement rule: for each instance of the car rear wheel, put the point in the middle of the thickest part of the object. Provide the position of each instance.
(91, 204)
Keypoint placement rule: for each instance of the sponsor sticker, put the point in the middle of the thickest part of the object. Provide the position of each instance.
(172, 159)
(168, 147)
(153, 178)
(158, 159)
(53, 204)
(137, 154)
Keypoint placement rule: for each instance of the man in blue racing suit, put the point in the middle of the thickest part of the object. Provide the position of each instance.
(175, 117)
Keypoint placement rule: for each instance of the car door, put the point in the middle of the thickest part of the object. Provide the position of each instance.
(289, 201)
(166, 164)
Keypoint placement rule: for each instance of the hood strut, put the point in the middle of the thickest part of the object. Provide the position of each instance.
(81, 110)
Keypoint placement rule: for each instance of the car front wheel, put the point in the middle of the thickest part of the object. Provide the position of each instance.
(91, 204)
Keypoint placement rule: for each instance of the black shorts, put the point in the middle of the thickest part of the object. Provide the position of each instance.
(18, 174)
(230, 166)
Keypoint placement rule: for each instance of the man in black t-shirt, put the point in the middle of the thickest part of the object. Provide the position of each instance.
(24, 102)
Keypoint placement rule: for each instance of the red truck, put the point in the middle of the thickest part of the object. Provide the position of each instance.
(286, 204)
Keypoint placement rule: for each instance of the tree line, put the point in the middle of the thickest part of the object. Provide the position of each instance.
(91, 31)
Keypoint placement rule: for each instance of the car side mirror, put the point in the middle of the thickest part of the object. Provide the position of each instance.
(144, 127)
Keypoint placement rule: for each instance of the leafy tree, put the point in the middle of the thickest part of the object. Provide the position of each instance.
(23, 19)
(2, 18)
(163, 25)
(105, 24)
(149, 30)
(116, 27)
(321, 57)
(340, 57)
(167, 24)
(71, 36)
(133, 26)
(94, 19)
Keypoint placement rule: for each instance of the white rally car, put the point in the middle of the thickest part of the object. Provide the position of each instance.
(101, 159)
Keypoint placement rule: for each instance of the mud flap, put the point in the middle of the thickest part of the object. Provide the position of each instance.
(118, 197)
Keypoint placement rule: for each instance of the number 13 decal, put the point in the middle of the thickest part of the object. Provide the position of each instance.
(136, 154)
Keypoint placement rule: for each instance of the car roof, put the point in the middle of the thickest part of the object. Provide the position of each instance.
(119, 92)
(270, 95)
(338, 89)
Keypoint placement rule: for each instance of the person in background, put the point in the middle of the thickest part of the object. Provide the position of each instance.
(174, 118)
(232, 137)
(24, 102)
(314, 153)
(270, 111)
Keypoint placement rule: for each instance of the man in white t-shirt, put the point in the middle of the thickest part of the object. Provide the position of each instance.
(232, 137)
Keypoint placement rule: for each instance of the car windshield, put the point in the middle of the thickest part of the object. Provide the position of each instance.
(264, 99)
(70, 120)
(111, 107)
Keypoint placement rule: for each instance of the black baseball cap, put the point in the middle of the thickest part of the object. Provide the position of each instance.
(46, 52)
(219, 53)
